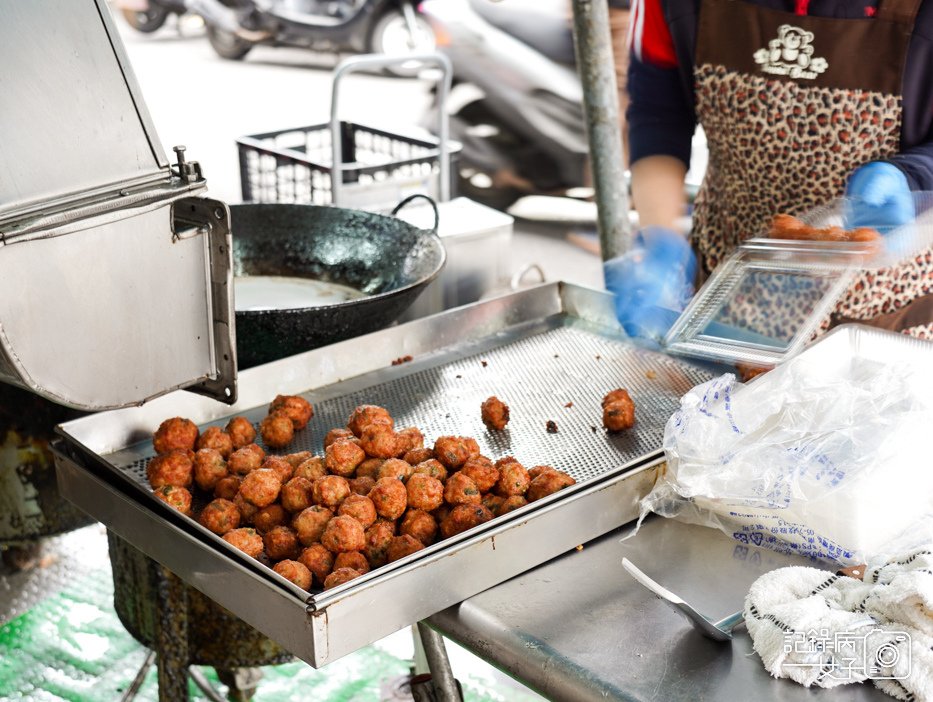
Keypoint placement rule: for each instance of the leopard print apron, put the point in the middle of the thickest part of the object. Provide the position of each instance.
(790, 108)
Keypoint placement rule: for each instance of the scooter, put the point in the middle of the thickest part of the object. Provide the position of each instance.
(149, 15)
(390, 27)
(517, 102)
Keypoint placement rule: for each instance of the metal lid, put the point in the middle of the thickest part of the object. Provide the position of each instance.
(73, 126)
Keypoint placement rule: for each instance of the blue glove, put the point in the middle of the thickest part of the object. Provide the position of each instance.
(878, 196)
(653, 282)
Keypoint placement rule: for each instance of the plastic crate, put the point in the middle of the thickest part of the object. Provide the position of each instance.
(380, 168)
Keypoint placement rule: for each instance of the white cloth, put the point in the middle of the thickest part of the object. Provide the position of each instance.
(828, 630)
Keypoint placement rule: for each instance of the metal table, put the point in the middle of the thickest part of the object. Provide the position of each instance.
(580, 628)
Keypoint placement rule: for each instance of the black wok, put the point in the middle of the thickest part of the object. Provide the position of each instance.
(386, 258)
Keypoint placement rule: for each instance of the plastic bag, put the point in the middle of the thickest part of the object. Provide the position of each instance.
(830, 460)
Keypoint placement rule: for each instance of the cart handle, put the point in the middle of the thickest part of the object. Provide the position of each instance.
(378, 61)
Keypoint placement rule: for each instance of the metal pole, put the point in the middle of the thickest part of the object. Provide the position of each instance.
(601, 105)
(442, 676)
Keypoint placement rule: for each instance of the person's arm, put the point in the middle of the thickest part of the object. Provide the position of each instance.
(660, 120)
(917, 166)
(658, 190)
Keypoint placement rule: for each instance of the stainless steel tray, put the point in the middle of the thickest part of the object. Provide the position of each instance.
(538, 350)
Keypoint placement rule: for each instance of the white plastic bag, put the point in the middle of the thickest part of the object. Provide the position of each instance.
(827, 458)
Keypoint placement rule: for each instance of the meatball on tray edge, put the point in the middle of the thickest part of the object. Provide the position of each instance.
(551, 353)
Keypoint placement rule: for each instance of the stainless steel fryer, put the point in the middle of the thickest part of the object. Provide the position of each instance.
(115, 272)
(538, 350)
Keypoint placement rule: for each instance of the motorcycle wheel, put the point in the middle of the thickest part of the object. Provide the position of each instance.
(228, 45)
(390, 37)
(147, 21)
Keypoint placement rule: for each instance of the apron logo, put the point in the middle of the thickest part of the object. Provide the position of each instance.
(791, 54)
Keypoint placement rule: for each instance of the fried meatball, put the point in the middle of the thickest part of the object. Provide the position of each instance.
(369, 468)
(175, 433)
(246, 459)
(268, 518)
(440, 514)
(538, 470)
(277, 430)
(390, 498)
(335, 435)
(173, 468)
(296, 459)
(227, 488)
(504, 460)
(482, 471)
(261, 487)
(548, 483)
(282, 468)
(364, 415)
(339, 577)
(220, 516)
(241, 431)
(395, 468)
(361, 486)
(379, 441)
(452, 451)
(298, 409)
(509, 504)
(513, 480)
(424, 492)
(360, 508)
(419, 525)
(618, 411)
(378, 538)
(432, 467)
(463, 517)
(296, 494)
(281, 543)
(318, 560)
(343, 534)
(209, 468)
(294, 572)
(248, 510)
(472, 446)
(418, 455)
(401, 546)
(245, 539)
(216, 438)
(177, 497)
(494, 413)
(330, 491)
(352, 559)
(749, 372)
(309, 524)
(342, 457)
(409, 439)
(492, 502)
(461, 490)
(311, 469)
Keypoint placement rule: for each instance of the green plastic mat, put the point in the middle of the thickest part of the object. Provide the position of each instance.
(71, 646)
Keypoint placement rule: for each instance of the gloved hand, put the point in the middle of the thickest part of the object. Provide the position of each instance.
(653, 282)
(878, 196)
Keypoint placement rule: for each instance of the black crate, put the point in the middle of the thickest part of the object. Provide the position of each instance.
(295, 166)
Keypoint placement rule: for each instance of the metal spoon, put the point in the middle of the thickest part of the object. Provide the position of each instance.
(718, 630)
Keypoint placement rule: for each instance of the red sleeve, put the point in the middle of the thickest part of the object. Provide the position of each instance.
(649, 38)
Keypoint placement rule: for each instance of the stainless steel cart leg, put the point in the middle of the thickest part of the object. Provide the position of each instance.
(442, 676)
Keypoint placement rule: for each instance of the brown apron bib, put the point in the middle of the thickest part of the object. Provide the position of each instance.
(791, 106)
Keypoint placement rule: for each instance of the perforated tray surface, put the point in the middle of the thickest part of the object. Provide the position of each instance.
(537, 374)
